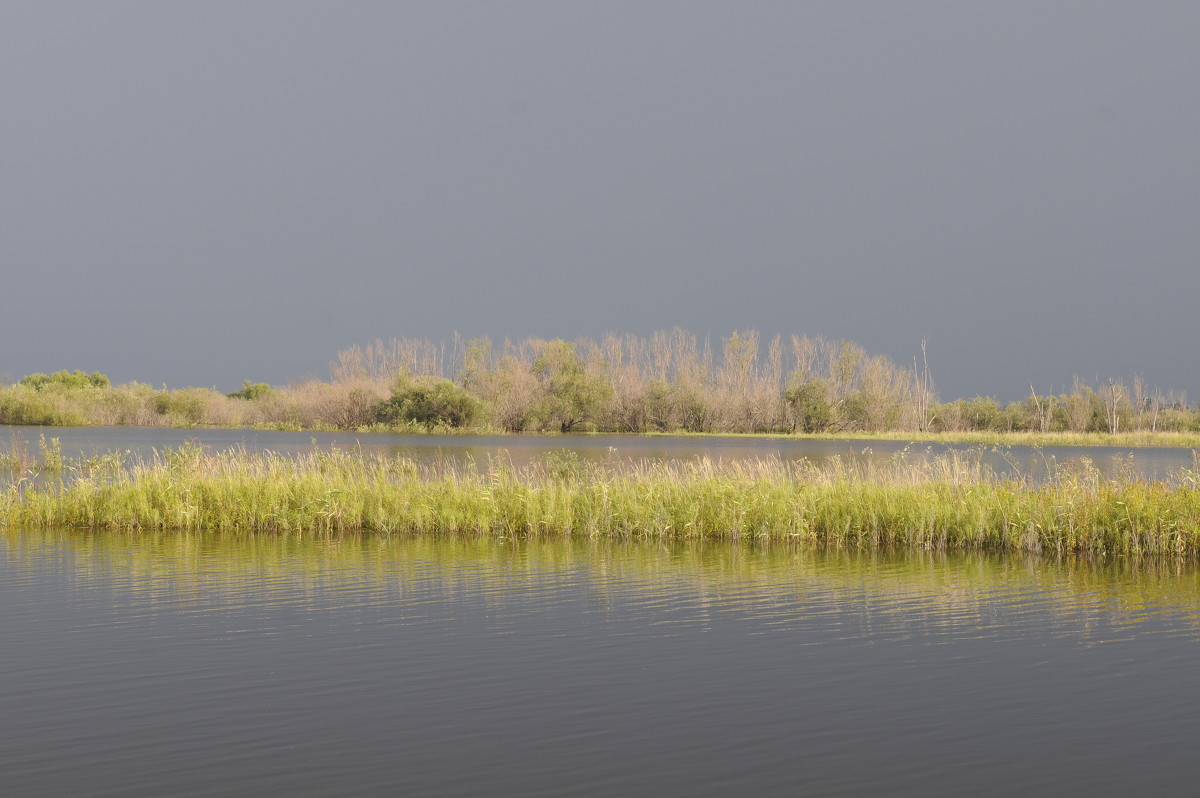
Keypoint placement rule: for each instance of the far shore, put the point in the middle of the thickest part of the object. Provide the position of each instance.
(1126, 440)
(670, 383)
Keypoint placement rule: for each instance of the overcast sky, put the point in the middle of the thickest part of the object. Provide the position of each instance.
(197, 193)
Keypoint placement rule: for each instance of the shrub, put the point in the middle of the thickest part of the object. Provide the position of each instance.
(982, 414)
(25, 406)
(431, 401)
(66, 379)
(184, 407)
(570, 395)
(251, 391)
(810, 406)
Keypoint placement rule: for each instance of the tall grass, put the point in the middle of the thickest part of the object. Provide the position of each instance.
(947, 502)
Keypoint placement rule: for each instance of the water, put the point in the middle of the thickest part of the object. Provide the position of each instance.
(155, 664)
(152, 664)
(1150, 462)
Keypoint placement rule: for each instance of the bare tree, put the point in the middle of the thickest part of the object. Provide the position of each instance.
(1112, 395)
(1156, 404)
(1043, 410)
(923, 390)
(1138, 398)
(1078, 406)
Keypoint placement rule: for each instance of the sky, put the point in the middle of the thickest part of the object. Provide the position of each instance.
(203, 193)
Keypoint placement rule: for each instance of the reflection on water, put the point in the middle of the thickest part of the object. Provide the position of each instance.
(779, 583)
(198, 664)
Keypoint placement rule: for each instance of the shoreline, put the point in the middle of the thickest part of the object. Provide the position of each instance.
(1131, 440)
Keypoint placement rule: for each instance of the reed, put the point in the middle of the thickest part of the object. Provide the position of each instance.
(951, 501)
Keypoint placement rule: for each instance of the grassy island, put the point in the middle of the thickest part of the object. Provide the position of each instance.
(950, 501)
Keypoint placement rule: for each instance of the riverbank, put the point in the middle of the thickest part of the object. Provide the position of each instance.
(1125, 440)
(19, 442)
(950, 501)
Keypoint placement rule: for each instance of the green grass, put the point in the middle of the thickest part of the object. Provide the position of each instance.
(947, 502)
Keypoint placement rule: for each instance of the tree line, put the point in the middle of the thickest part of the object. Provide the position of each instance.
(674, 381)
(670, 381)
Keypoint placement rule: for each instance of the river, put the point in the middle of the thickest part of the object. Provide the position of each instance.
(1149, 462)
(149, 664)
(164, 664)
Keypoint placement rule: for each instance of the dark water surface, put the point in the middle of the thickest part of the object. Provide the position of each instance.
(165, 664)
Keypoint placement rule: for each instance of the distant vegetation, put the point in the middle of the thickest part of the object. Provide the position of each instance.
(251, 391)
(668, 382)
(65, 380)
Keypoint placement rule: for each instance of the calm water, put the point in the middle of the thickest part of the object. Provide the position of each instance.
(520, 449)
(193, 665)
(161, 664)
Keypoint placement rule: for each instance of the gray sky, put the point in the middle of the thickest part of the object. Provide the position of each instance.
(201, 193)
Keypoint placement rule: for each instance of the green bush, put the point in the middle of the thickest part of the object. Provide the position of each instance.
(66, 379)
(982, 414)
(570, 395)
(185, 406)
(21, 405)
(251, 391)
(810, 406)
(429, 401)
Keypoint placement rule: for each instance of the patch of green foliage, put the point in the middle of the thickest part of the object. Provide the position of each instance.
(251, 391)
(571, 395)
(430, 402)
(185, 407)
(810, 406)
(65, 379)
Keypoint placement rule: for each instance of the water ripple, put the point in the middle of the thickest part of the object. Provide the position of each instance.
(156, 664)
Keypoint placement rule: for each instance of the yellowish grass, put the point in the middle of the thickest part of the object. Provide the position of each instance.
(945, 502)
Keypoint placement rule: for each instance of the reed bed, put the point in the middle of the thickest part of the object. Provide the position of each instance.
(950, 501)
